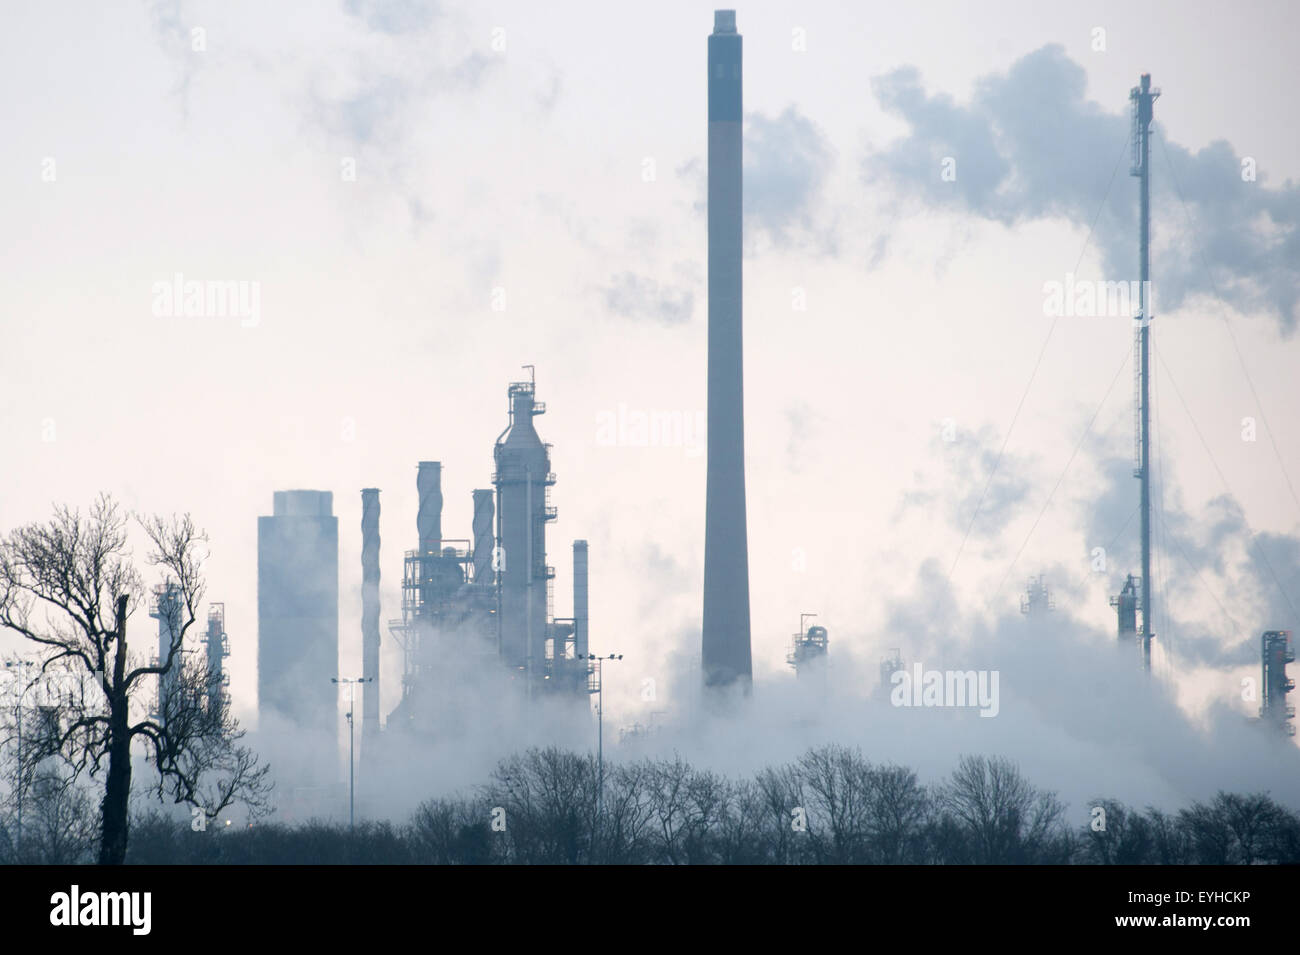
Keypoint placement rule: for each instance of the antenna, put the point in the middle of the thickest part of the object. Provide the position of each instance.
(1142, 98)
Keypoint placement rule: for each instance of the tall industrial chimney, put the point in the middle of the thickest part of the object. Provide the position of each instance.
(726, 650)
(370, 615)
(580, 618)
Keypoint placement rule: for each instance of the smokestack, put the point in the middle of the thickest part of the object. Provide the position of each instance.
(726, 648)
(370, 614)
(580, 599)
(484, 542)
(428, 520)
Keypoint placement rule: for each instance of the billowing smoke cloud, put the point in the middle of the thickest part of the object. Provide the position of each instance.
(394, 16)
(644, 299)
(1074, 711)
(967, 496)
(786, 162)
(1030, 146)
(1219, 583)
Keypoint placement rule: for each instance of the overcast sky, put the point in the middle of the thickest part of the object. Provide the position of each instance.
(529, 189)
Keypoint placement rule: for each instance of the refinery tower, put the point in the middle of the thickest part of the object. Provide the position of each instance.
(726, 650)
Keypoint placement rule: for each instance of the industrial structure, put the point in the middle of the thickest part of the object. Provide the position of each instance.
(167, 606)
(369, 615)
(1037, 598)
(808, 648)
(298, 615)
(491, 597)
(888, 667)
(217, 647)
(726, 654)
(1276, 651)
(1126, 604)
(1142, 98)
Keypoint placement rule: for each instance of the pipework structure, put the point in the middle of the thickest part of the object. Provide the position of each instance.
(217, 646)
(725, 646)
(808, 647)
(369, 615)
(491, 598)
(1276, 651)
(448, 605)
(167, 607)
(1126, 607)
(1037, 598)
(1142, 99)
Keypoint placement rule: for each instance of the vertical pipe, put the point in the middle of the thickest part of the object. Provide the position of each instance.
(580, 641)
(600, 740)
(528, 579)
(370, 613)
(483, 541)
(216, 654)
(498, 572)
(1263, 675)
(428, 520)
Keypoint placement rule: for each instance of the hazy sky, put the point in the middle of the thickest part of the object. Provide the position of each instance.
(549, 158)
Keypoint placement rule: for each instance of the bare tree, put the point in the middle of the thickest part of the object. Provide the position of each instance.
(781, 797)
(685, 804)
(1006, 818)
(838, 781)
(549, 798)
(1208, 834)
(739, 837)
(1120, 836)
(60, 823)
(625, 833)
(1250, 817)
(1171, 842)
(451, 832)
(69, 586)
(898, 809)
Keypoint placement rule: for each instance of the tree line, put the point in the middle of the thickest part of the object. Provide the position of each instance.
(829, 806)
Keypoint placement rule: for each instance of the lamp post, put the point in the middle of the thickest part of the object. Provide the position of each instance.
(600, 729)
(22, 692)
(352, 792)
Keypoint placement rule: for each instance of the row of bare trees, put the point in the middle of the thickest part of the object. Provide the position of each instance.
(830, 806)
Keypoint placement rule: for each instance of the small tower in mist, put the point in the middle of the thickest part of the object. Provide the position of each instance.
(726, 641)
(1037, 600)
(808, 650)
(217, 646)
